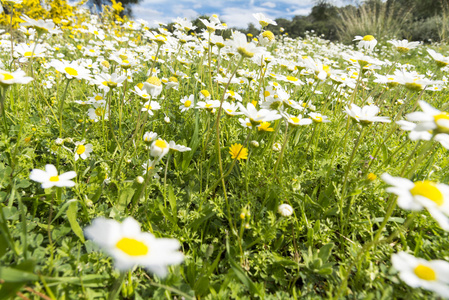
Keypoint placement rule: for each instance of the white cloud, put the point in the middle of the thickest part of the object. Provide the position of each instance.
(269, 4)
(143, 13)
(299, 12)
(183, 12)
(236, 13)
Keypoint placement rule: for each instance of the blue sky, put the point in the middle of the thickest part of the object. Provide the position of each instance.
(236, 13)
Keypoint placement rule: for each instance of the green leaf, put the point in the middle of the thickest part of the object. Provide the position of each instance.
(172, 200)
(62, 209)
(209, 213)
(241, 275)
(166, 213)
(15, 278)
(3, 244)
(214, 264)
(71, 216)
(202, 286)
(22, 183)
(125, 198)
(325, 252)
(19, 273)
(325, 271)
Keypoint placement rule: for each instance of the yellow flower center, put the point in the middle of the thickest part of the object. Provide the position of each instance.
(123, 57)
(444, 116)
(291, 78)
(295, 119)
(263, 23)
(71, 71)
(54, 178)
(7, 76)
(425, 273)
(205, 93)
(187, 103)
(368, 38)
(28, 54)
(148, 107)
(105, 63)
(269, 35)
(266, 93)
(99, 111)
(80, 150)
(98, 97)
(371, 176)
(173, 79)
(154, 81)
(161, 144)
(318, 119)
(132, 247)
(429, 190)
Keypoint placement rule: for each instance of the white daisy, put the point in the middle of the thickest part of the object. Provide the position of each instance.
(416, 272)
(50, 177)
(129, 246)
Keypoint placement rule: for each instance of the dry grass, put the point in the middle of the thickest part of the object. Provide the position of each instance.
(378, 19)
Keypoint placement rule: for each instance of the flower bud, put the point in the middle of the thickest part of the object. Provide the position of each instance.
(285, 210)
(277, 147)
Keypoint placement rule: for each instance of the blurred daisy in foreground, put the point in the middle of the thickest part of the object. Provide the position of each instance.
(416, 272)
(129, 246)
(18, 76)
(430, 119)
(439, 59)
(421, 194)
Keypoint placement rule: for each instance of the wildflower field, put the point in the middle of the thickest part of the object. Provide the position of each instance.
(147, 163)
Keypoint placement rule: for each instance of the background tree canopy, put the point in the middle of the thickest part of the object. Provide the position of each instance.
(422, 20)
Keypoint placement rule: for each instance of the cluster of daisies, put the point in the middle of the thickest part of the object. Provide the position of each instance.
(111, 64)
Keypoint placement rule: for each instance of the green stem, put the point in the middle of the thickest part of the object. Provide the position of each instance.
(284, 145)
(117, 285)
(61, 106)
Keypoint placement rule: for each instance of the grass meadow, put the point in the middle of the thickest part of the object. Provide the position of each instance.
(146, 163)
